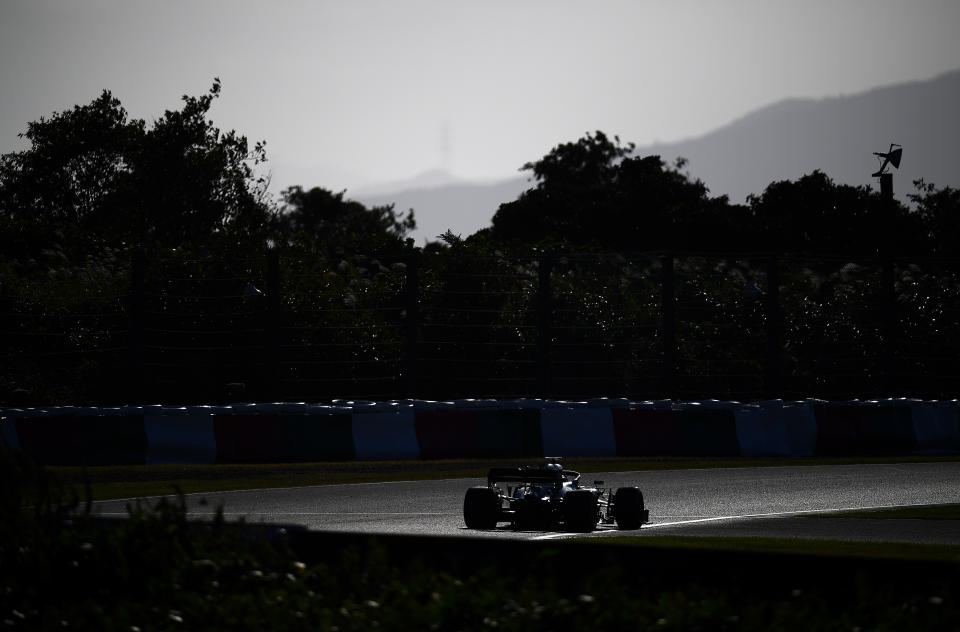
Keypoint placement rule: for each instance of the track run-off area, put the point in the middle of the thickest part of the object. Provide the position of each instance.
(735, 501)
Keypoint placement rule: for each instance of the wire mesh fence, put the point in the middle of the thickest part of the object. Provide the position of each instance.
(454, 323)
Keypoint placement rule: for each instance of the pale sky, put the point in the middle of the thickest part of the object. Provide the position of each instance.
(359, 92)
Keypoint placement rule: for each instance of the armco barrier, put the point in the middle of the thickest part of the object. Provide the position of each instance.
(866, 427)
(706, 432)
(53, 440)
(776, 428)
(385, 435)
(324, 436)
(761, 431)
(644, 431)
(885, 429)
(248, 438)
(577, 432)
(447, 433)
(186, 438)
(113, 439)
(298, 432)
(836, 428)
(513, 432)
(83, 439)
(936, 427)
(8, 433)
(800, 428)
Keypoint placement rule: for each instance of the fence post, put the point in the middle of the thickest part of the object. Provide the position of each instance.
(135, 376)
(774, 317)
(888, 284)
(543, 325)
(271, 326)
(411, 358)
(668, 324)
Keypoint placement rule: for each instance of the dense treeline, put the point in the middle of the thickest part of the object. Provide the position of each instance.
(96, 190)
(594, 191)
(94, 180)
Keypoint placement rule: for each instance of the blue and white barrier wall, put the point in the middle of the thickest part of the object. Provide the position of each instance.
(415, 429)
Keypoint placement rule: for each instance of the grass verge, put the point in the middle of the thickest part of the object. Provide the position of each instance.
(803, 546)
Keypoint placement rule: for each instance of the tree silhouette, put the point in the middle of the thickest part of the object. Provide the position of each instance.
(814, 214)
(341, 278)
(594, 192)
(320, 218)
(939, 211)
(93, 177)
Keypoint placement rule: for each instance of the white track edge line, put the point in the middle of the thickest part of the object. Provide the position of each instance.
(775, 514)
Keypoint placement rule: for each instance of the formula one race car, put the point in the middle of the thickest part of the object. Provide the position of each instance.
(547, 496)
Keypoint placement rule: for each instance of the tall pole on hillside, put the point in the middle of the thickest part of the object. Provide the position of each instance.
(887, 256)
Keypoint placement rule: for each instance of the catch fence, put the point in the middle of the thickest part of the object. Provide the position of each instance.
(451, 323)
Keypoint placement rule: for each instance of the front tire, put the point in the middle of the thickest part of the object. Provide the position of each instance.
(481, 508)
(628, 508)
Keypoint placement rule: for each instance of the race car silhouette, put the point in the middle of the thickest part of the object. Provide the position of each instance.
(548, 496)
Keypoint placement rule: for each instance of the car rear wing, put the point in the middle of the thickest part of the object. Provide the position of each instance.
(524, 475)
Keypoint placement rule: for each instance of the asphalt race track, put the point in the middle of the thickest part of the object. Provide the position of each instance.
(730, 501)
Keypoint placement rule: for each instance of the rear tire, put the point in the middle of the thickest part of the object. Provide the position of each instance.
(580, 511)
(628, 507)
(481, 508)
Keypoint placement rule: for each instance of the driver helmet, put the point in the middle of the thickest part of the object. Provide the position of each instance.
(553, 466)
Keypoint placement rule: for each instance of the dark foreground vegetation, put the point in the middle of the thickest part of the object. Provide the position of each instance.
(146, 262)
(62, 569)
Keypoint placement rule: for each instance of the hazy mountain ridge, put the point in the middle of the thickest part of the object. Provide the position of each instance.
(781, 141)
(836, 135)
(431, 179)
(463, 207)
